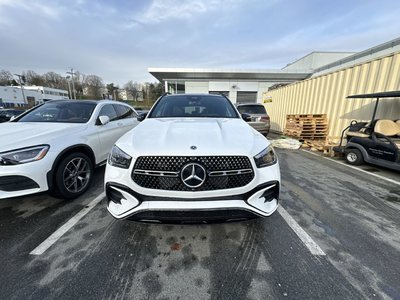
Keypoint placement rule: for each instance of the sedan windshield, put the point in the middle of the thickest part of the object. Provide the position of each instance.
(197, 106)
(60, 112)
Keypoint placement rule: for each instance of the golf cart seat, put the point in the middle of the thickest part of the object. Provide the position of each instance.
(387, 127)
(359, 129)
(357, 134)
(390, 129)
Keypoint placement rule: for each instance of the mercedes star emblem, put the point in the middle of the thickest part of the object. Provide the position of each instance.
(193, 175)
(193, 147)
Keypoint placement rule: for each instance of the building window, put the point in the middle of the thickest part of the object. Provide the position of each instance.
(176, 87)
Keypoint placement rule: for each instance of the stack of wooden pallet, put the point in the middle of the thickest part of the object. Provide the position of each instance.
(307, 127)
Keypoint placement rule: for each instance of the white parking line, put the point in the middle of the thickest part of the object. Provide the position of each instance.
(355, 168)
(304, 237)
(67, 226)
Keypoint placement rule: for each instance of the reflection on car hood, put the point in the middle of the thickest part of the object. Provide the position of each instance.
(176, 136)
(16, 135)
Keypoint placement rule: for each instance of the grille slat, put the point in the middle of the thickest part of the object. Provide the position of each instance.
(227, 168)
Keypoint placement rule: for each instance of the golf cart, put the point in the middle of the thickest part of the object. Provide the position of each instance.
(376, 142)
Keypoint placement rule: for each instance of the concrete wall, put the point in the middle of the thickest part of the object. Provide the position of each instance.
(326, 94)
(316, 59)
(370, 54)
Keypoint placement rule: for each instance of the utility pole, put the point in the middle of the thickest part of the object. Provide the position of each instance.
(69, 87)
(73, 85)
(22, 88)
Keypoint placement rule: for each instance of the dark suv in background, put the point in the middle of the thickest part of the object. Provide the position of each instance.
(259, 117)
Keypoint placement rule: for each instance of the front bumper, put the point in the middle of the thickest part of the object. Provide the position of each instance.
(125, 203)
(25, 179)
(126, 200)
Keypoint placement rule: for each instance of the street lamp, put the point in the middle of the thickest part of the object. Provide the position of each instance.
(22, 88)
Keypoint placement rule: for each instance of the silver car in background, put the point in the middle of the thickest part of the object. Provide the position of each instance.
(259, 117)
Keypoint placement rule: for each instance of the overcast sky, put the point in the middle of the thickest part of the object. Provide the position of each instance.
(119, 40)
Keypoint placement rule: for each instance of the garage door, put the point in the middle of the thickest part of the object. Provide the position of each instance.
(246, 97)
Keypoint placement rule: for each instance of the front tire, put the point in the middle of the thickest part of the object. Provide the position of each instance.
(354, 157)
(73, 175)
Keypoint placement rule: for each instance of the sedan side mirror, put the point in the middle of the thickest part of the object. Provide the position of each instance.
(103, 120)
(246, 117)
(141, 117)
(12, 118)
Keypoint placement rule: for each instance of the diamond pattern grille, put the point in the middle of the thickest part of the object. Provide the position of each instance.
(175, 164)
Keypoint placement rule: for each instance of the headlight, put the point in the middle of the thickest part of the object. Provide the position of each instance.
(23, 156)
(265, 158)
(119, 158)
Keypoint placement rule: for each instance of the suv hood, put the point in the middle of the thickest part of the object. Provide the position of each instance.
(17, 135)
(176, 136)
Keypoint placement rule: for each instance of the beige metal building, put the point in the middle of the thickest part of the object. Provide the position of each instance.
(326, 94)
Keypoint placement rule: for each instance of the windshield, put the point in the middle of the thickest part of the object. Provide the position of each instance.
(197, 106)
(61, 112)
(252, 109)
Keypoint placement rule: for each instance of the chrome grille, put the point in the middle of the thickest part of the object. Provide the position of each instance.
(164, 172)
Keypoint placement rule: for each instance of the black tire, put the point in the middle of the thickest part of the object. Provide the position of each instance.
(354, 157)
(73, 175)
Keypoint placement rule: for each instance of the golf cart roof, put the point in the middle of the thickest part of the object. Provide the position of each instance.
(390, 94)
(378, 96)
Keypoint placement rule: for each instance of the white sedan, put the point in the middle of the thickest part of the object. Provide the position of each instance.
(193, 158)
(57, 145)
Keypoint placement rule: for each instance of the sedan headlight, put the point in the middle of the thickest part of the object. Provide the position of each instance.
(23, 156)
(265, 158)
(119, 158)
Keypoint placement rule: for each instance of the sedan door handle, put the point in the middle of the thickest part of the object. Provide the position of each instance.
(120, 124)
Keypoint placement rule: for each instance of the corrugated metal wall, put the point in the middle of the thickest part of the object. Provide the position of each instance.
(327, 94)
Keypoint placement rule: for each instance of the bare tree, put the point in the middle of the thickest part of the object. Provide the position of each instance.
(6, 78)
(54, 80)
(93, 85)
(133, 89)
(32, 78)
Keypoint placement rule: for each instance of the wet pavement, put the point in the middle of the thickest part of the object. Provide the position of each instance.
(353, 217)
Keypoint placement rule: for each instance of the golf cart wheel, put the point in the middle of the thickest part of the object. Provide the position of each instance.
(354, 156)
(73, 175)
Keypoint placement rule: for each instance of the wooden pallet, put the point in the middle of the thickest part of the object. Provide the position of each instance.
(320, 145)
(307, 126)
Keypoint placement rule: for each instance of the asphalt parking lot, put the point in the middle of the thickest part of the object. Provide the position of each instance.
(335, 236)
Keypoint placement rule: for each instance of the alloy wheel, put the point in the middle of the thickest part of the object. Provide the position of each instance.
(76, 175)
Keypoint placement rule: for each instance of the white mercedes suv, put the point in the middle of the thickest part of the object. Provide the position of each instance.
(192, 158)
(55, 146)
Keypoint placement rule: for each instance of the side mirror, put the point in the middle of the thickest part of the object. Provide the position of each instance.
(104, 120)
(141, 117)
(246, 117)
(12, 118)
